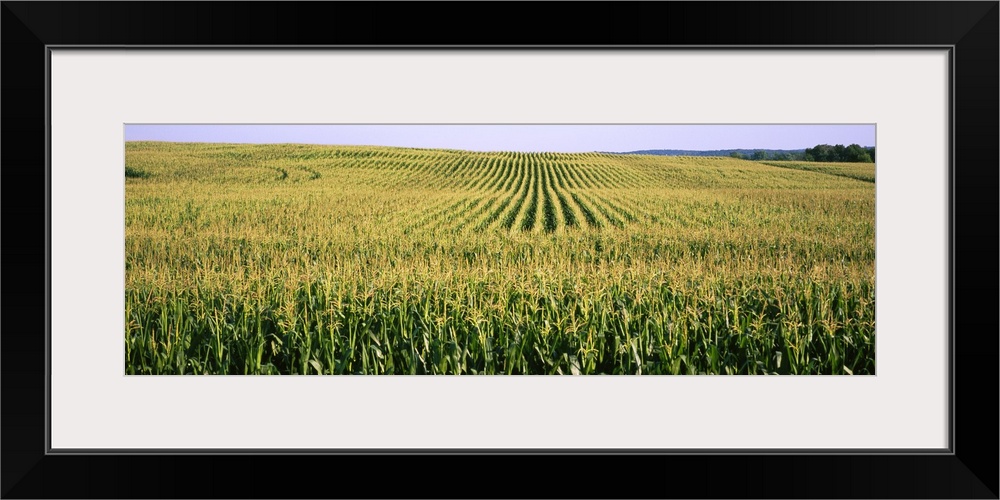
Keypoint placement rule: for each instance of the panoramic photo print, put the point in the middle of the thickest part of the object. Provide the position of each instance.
(499, 249)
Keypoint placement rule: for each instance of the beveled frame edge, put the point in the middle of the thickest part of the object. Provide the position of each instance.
(984, 23)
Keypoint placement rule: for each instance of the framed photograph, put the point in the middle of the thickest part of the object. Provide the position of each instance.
(499, 249)
(723, 251)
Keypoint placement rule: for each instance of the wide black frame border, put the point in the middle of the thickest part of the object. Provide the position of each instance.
(971, 28)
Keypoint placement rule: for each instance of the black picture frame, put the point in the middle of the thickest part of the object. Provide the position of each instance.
(969, 470)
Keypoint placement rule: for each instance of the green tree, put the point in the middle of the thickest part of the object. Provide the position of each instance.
(857, 153)
(852, 153)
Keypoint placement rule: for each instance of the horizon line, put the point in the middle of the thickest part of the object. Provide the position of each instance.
(483, 150)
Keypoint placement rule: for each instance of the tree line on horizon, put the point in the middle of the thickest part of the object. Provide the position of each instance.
(821, 153)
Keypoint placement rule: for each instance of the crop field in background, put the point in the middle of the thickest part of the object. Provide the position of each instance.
(860, 171)
(297, 259)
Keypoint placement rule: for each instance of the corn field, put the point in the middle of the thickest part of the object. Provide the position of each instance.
(298, 259)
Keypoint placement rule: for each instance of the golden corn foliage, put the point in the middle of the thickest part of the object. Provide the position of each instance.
(261, 259)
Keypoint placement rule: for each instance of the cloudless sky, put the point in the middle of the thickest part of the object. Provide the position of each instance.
(557, 138)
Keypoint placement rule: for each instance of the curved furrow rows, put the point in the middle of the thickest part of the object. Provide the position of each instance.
(589, 181)
(488, 174)
(574, 175)
(477, 214)
(601, 181)
(537, 208)
(441, 169)
(385, 174)
(408, 174)
(433, 171)
(558, 182)
(505, 170)
(638, 177)
(568, 217)
(550, 215)
(514, 186)
(444, 212)
(452, 172)
(513, 191)
(610, 217)
(469, 169)
(398, 176)
(409, 216)
(589, 215)
(384, 160)
(530, 216)
(571, 214)
(417, 175)
(539, 197)
(610, 201)
(510, 207)
(420, 172)
(596, 174)
(448, 220)
(616, 178)
(513, 213)
(405, 175)
(556, 179)
(565, 182)
(501, 183)
(611, 177)
(414, 220)
(639, 206)
(516, 178)
(492, 212)
(624, 214)
(505, 183)
(478, 172)
(540, 189)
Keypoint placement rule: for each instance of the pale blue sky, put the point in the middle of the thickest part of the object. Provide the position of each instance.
(558, 138)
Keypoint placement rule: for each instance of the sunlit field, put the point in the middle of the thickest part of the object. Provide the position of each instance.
(860, 171)
(295, 259)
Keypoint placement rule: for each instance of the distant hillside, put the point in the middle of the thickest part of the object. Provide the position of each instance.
(715, 152)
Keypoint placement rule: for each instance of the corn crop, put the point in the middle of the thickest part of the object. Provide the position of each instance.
(298, 259)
